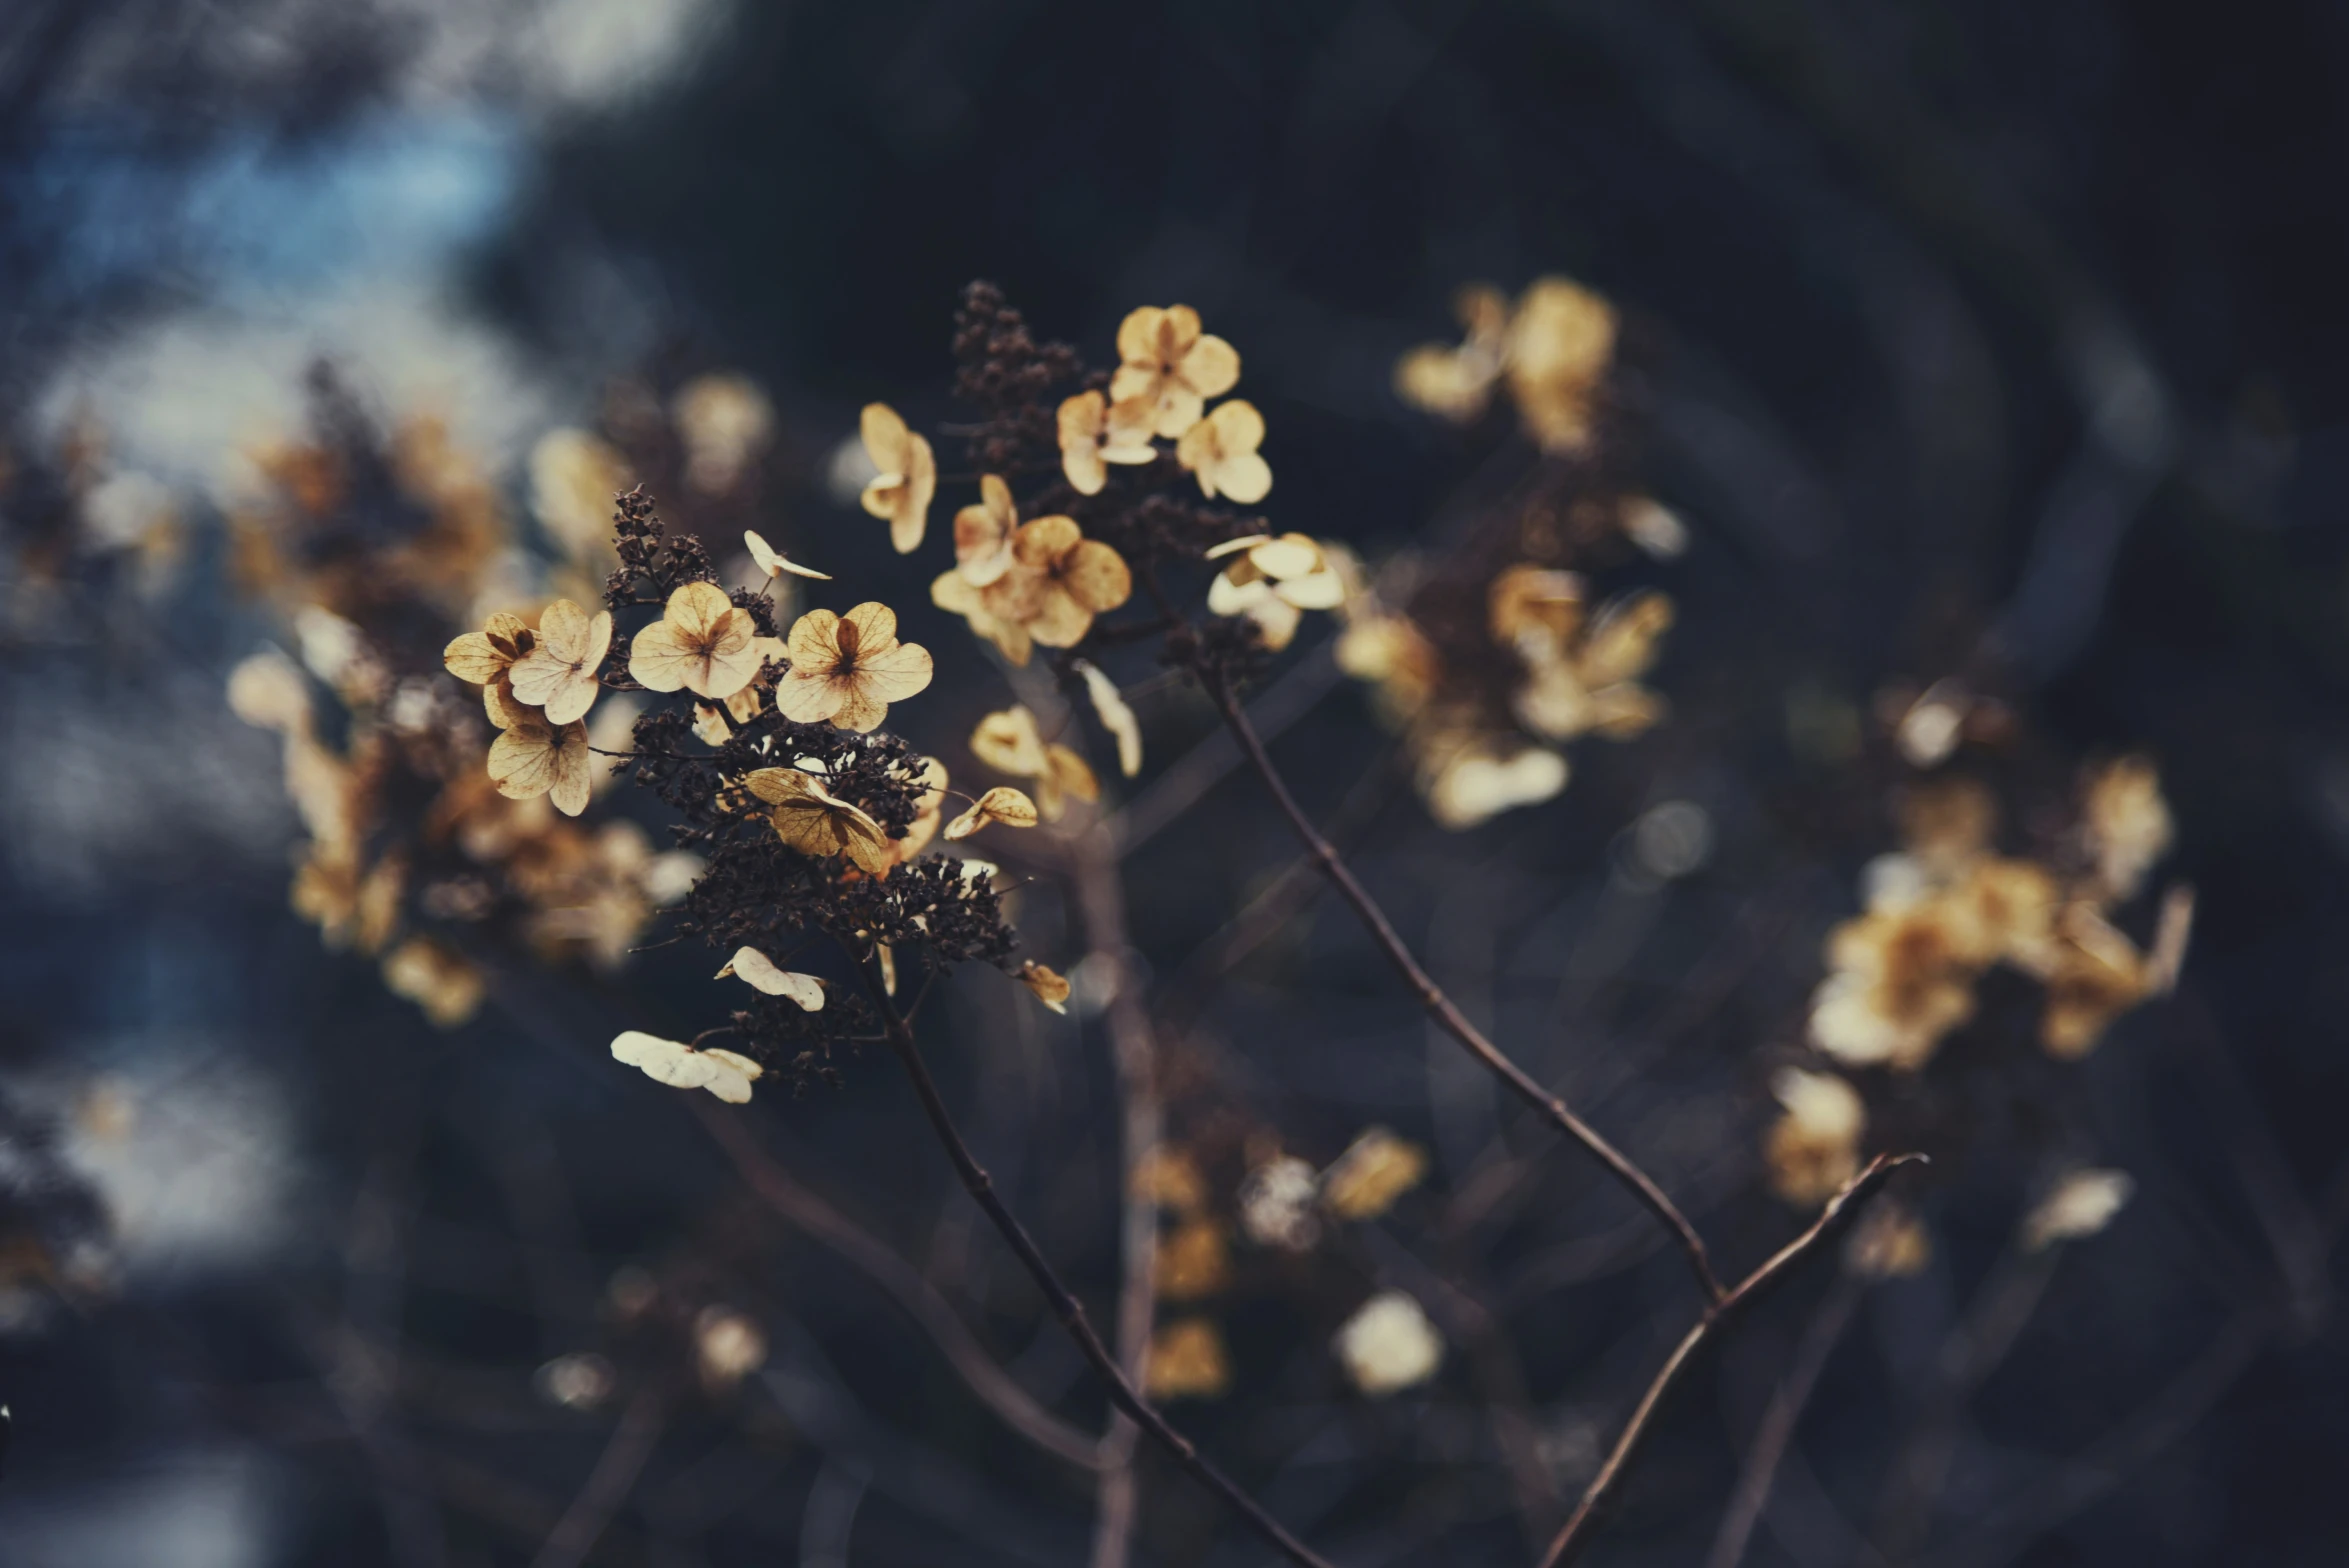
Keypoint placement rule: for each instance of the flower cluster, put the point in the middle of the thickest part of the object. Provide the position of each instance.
(1550, 351)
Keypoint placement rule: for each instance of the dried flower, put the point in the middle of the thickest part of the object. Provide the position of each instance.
(1048, 987)
(1186, 1360)
(1900, 981)
(1814, 1148)
(1171, 366)
(1058, 582)
(1376, 1169)
(435, 978)
(1560, 344)
(982, 533)
(559, 675)
(1467, 785)
(1220, 452)
(774, 562)
(680, 1066)
(761, 973)
(2094, 975)
(1457, 383)
(2126, 823)
(954, 594)
(1276, 1204)
(1194, 1262)
(267, 691)
(484, 657)
(906, 477)
(2079, 1206)
(703, 643)
(1001, 804)
(1273, 581)
(811, 820)
(1009, 743)
(1095, 431)
(848, 669)
(534, 758)
(726, 422)
(1116, 716)
(1389, 1345)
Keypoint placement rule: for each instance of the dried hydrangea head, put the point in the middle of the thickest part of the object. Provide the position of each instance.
(1560, 343)
(560, 674)
(849, 668)
(1094, 432)
(761, 973)
(774, 562)
(533, 758)
(982, 533)
(1389, 1345)
(2126, 823)
(1376, 1169)
(1456, 383)
(1001, 804)
(813, 821)
(2080, 1205)
(906, 477)
(724, 1073)
(1059, 580)
(1220, 452)
(1813, 1149)
(1171, 367)
(703, 643)
(484, 657)
(1186, 1360)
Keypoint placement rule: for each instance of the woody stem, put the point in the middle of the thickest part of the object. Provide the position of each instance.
(1442, 1009)
(1063, 1301)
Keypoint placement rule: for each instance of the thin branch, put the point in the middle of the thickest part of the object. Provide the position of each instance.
(1771, 1438)
(1600, 1494)
(995, 1388)
(1064, 1303)
(1449, 1016)
(608, 1484)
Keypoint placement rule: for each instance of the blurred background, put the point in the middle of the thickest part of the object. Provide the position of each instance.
(2001, 344)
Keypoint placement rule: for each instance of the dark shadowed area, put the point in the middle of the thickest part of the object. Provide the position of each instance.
(1989, 364)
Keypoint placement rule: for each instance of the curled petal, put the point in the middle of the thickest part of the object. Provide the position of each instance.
(761, 973)
(1001, 804)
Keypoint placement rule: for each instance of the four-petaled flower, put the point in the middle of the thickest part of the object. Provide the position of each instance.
(982, 533)
(1171, 366)
(704, 643)
(810, 819)
(849, 668)
(1220, 451)
(559, 675)
(907, 479)
(1095, 431)
(533, 758)
(1273, 582)
(1059, 581)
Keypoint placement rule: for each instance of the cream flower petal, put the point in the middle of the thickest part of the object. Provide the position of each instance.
(1001, 804)
(1047, 987)
(808, 697)
(1116, 716)
(574, 770)
(1212, 367)
(522, 759)
(876, 628)
(900, 673)
(761, 973)
(474, 658)
(1009, 743)
(695, 609)
(1097, 576)
(1060, 621)
(660, 657)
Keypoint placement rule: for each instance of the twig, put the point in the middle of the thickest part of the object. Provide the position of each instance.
(608, 1484)
(1778, 1421)
(1065, 1305)
(1101, 896)
(1600, 1494)
(995, 1388)
(1441, 1008)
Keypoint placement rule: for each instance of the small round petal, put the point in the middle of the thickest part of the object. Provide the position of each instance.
(1097, 576)
(1212, 367)
(267, 690)
(761, 973)
(1290, 555)
(474, 658)
(1048, 988)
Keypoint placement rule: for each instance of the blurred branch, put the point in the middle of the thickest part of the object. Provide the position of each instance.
(1441, 1008)
(609, 1483)
(1065, 1305)
(828, 1226)
(1771, 1438)
(1101, 898)
(1600, 1494)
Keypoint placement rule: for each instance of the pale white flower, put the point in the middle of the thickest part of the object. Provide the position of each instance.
(2077, 1207)
(1276, 1205)
(1389, 1345)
